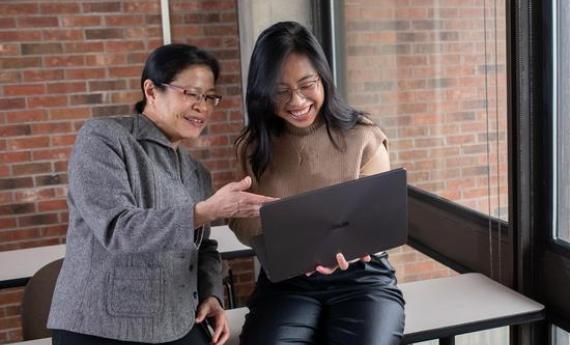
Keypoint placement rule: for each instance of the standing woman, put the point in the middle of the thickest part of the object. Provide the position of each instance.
(301, 136)
(139, 264)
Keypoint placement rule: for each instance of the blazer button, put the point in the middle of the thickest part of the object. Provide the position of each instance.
(195, 294)
(191, 267)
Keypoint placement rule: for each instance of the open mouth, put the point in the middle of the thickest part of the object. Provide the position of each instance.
(301, 114)
(195, 121)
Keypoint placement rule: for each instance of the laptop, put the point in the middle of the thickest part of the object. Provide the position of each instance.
(358, 217)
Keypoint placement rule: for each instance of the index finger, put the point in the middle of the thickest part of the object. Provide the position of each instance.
(257, 198)
(218, 327)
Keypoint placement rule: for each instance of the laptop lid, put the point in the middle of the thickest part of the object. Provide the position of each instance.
(357, 217)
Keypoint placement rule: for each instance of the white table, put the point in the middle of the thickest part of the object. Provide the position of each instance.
(17, 266)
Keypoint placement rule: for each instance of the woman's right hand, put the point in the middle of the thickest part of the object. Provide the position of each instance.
(230, 201)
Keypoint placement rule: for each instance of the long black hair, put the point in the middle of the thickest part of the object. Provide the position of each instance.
(272, 47)
(165, 62)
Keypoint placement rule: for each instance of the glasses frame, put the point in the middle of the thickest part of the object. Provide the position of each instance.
(280, 96)
(196, 96)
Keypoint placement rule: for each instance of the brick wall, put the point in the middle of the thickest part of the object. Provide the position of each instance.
(63, 62)
(418, 66)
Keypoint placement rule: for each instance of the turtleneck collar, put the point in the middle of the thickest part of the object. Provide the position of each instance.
(289, 128)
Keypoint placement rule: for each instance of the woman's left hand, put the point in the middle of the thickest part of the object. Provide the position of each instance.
(210, 308)
(342, 264)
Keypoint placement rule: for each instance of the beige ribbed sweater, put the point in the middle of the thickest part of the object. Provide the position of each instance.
(304, 159)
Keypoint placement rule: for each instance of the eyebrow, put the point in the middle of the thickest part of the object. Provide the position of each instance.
(190, 87)
(302, 79)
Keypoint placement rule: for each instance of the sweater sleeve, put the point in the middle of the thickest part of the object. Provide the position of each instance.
(375, 157)
(245, 228)
(100, 192)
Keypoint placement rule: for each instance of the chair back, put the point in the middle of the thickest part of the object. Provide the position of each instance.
(36, 301)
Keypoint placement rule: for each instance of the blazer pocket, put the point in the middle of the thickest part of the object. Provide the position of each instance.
(135, 291)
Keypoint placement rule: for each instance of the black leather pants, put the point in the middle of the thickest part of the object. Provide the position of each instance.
(360, 306)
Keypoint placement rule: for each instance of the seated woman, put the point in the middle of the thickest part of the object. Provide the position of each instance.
(301, 136)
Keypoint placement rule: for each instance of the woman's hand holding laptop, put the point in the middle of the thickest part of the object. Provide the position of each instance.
(342, 264)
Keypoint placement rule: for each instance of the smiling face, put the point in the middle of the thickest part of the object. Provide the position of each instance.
(300, 95)
(179, 115)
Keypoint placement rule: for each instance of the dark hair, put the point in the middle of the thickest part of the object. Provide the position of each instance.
(165, 62)
(272, 47)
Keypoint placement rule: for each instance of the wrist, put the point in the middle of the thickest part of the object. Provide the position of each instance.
(202, 214)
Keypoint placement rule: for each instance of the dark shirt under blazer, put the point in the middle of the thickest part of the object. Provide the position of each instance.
(132, 270)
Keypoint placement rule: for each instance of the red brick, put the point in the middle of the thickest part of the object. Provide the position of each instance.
(34, 195)
(51, 127)
(31, 168)
(10, 77)
(59, 8)
(9, 49)
(8, 223)
(14, 130)
(125, 46)
(8, 9)
(13, 157)
(142, 7)
(58, 230)
(24, 89)
(52, 205)
(88, 98)
(25, 116)
(38, 219)
(12, 103)
(66, 87)
(20, 62)
(7, 23)
(17, 209)
(102, 34)
(37, 22)
(107, 85)
(60, 166)
(124, 20)
(47, 101)
(20, 36)
(101, 7)
(63, 35)
(27, 143)
(106, 59)
(125, 72)
(85, 73)
(83, 47)
(50, 154)
(69, 113)
(64, 61)
(43, 75)
(63, 140)
(112, 110)
(15, 183)
(80, 21)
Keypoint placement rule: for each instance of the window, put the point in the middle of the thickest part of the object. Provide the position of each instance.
(561, 105)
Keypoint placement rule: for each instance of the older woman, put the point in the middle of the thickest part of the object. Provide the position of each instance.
(139, 266)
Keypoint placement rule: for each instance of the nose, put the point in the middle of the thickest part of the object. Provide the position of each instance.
(297, 97)
(200, 105)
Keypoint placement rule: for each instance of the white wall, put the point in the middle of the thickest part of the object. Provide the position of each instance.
(256, 15)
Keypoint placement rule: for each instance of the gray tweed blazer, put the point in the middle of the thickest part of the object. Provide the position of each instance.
(134, 268)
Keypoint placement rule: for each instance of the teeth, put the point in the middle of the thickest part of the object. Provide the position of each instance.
(300, 113)
(195, 120)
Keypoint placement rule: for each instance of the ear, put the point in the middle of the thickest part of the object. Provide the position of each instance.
(149, 91)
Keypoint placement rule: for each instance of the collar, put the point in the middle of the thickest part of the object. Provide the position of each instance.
(145, 129)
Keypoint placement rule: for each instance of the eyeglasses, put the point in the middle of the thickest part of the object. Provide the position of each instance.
(211, 100)
(306, 90)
